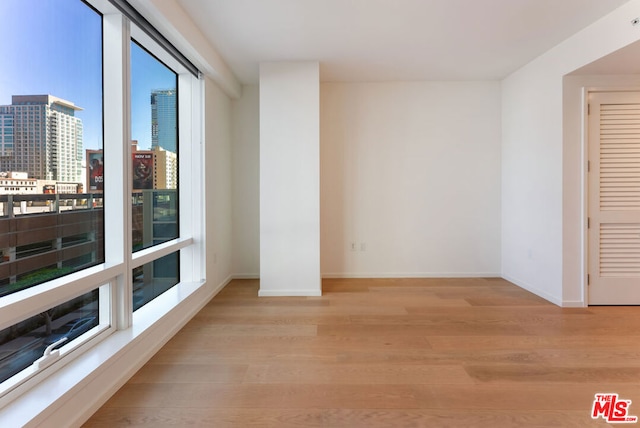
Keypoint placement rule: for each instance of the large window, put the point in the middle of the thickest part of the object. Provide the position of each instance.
(51, 223)
(51, 102)
(97, 112)
(154, 131)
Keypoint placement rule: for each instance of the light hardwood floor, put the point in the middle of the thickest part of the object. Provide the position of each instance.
(386, 353)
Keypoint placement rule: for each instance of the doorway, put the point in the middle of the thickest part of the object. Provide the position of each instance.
(614, 198)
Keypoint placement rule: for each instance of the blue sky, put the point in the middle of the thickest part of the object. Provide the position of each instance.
(147, 74)
(54, 47)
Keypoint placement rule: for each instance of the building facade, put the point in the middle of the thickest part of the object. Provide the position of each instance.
(165, 169)
(6, 134)
(164, 131)
(40, 135)
(17, 183)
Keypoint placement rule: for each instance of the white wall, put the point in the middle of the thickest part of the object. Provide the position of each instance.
(531, 186)
(538, 240)
(218, 183)
(541, 204)
(246, 183)
(410, 174)
(410, 170)
(290, 179)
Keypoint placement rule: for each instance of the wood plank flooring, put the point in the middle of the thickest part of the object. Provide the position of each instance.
(385, 353)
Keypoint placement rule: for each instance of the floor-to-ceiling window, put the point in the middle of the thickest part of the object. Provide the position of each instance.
(154, 132)
(95, 108)
(51, 223)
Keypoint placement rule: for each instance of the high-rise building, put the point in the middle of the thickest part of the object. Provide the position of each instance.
(164, 132)
(6, 134)
(40, 135)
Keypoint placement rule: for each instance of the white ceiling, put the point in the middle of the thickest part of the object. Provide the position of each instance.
(384, 40)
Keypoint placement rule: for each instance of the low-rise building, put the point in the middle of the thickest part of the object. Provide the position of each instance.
(17, 183)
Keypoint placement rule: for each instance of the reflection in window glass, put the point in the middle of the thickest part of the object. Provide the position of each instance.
(153, 279)
(23, 343)
(51, 218)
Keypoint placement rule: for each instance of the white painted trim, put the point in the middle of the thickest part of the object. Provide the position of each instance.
(573, 304)
(389, 275)
(148, 255)
(584, 198)
(72, 394)
(535, 291)
(246, 276)
(290, 293)
(33, 300)
(223, 284)
(412, 275)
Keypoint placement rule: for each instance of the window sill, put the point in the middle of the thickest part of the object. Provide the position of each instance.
(72, 393)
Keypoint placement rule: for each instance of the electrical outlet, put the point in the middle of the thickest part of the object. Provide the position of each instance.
(353, 246)
(363, 246)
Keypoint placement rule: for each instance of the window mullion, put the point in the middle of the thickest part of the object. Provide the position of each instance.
(117, 156)
(191, 166)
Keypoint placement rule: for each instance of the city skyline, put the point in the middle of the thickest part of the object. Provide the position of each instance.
(45, 138)
(67, 63)
(54, 211)
(148, 75)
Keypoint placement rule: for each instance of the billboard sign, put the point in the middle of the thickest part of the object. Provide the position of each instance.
(142, 163)
(95, 170)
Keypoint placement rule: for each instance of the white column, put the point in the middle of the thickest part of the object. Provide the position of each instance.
(290, 179)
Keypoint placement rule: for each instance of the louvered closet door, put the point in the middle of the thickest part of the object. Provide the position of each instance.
(614, 198)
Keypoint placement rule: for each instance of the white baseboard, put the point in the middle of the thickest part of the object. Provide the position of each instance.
(553, 299)
(349, 275)
(331, 275)
(245, 276)
(573, 304)
(290, 293)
